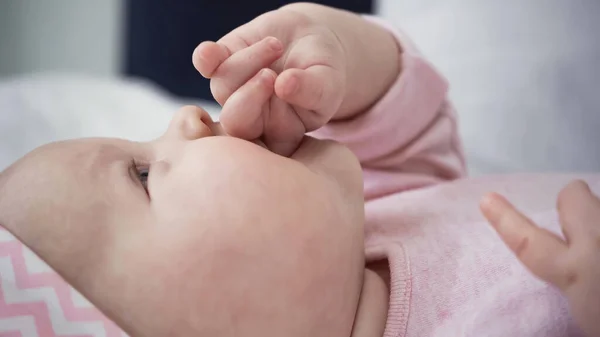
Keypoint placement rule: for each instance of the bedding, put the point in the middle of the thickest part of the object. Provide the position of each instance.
(41, 108)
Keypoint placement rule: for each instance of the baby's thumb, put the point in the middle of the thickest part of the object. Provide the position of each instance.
(208, 56)
(283, 129)
(318, 90)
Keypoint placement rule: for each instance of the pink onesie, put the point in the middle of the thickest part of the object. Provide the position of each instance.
(450, 273)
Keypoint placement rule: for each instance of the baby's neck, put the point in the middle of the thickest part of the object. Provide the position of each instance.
(371, 315)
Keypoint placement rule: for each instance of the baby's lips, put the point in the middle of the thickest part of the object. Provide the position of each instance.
(260, 143)
(217, 129)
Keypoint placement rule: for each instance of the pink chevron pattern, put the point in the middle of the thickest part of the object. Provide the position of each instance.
(39, 316)
(11, 334)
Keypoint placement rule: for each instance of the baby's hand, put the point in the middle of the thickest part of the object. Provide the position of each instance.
(292, 70)
(285, 53)
(573, 264)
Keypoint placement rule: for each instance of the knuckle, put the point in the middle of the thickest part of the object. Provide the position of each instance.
(521, 247)
(570, 277)
(577, 265)
(317, 96)
(296, 13)
(564, 272)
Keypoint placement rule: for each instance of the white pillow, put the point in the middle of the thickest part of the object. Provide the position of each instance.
(38, 109)
(524, 76)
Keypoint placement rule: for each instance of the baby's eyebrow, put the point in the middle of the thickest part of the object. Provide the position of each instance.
(98, 161)
(99, 156)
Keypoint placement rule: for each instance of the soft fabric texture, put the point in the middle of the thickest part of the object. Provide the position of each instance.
(36, 302)
(450, 273)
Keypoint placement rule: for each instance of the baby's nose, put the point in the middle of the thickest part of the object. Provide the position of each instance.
(191, 123)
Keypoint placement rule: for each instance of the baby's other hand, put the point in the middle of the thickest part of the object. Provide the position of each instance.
(573, 264)
(277, 77)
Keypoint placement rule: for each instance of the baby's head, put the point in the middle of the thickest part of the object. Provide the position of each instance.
(197, 233)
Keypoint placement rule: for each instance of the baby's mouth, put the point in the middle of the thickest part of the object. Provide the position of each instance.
(217, 130)
(260, 143)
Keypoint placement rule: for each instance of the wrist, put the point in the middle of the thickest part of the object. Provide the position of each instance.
(374, 64)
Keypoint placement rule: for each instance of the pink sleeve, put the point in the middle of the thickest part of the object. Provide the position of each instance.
(409, 139)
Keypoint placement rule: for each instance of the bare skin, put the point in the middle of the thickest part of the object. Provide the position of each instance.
(272, 230)
(571, 264)
(293, 70)
(117, 240)
(196, 234)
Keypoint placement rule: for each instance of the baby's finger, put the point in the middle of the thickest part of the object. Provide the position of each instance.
(318, 88)
(242, 66)
(283, 128)
(539, 250)
(240, 38)
(208, 56)
(579, 211)
(242, 114)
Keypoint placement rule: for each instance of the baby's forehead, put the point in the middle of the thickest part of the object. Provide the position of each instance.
(62, 171)
(78, 154)
(56, 164)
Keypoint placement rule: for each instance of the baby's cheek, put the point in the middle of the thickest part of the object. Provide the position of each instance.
(163, 272)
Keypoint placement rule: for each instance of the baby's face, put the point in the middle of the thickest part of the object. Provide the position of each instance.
(195, 233)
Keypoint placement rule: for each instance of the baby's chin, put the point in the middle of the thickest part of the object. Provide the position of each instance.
(283, 273)
(275, 280)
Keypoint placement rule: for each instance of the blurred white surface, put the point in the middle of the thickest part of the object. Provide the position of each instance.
(35, 110)
(524, 77)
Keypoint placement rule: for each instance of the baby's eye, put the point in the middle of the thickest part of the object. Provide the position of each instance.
(143, 176)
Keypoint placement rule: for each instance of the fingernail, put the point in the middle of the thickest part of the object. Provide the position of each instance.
(265, 74)
(487, 205)
(486, 201)
(274, 44)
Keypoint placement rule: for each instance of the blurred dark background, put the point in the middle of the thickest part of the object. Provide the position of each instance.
(160, 36)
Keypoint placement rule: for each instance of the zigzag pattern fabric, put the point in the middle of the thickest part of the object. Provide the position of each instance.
(36, 302)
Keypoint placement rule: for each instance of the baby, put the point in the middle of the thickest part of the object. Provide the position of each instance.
(251, 228)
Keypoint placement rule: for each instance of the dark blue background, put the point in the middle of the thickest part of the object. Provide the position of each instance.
(161, 36)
